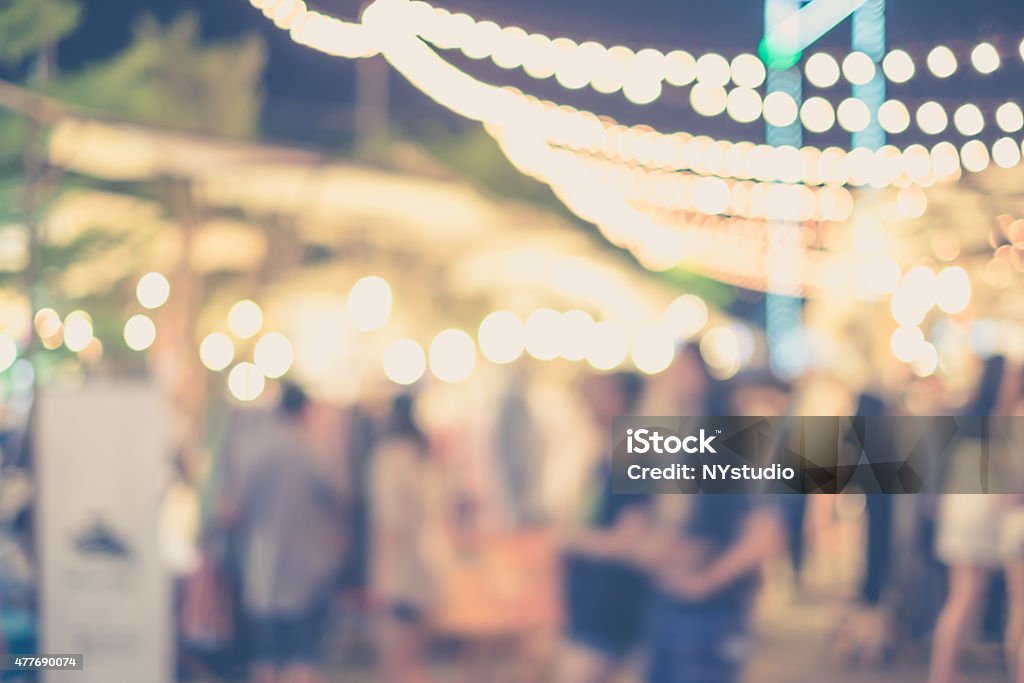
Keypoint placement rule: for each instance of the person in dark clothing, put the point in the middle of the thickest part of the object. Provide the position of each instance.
(606, 596)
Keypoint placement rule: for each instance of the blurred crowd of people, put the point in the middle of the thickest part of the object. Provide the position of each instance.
(364, 530)
(663, 584)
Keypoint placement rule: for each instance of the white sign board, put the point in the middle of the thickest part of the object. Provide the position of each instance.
(99, 458)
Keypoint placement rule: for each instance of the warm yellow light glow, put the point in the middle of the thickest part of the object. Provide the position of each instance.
(139, 332)
(1009, 117)
(942, 62)
(77, 330)
(893, 116)
(273, 354)
(858, 68)
(47, 323)
(543, 328)
(926, 361)
(1006, 153)
(898, 66)
(953, 289)
(369, 303)
(822, 70)
(968, 120)
(747, 71)
(912, 201)
(609, 346)
(642, 90)
(744, 105)
(720, 348)
(576, 335)
(246, 382)
(686, 316)
(974, 156)
(404, 361)
(708, 100)
(779, 109)
(245, 319)
(152, 290)
(713, 70)
(985, 58)
(501, 337)
(452, 356)
(216, 351)
(853, 115)
(906, 342)
(652, 349)
(931, 118)
(680, 68)
(817, 115)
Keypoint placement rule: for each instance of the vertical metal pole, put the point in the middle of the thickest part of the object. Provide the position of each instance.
(783, 308)
(869, 38)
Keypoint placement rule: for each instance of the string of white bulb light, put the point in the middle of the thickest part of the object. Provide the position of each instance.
(638, 144)
(640, 74)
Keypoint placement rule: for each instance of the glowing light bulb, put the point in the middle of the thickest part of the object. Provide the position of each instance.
(246, 382)
(652, 349)
(744, 105)
(968, 120)
(713, 70)
(747, 71)
(858, 68)
(906, 342)
(273, 355)
(941, 62)
(898, 66)
(985, 58)
(1006, 153)
(853, 115)
(974, 156)
(152, 290)
(452, 356)
(139, 332)
(686, 316)
(609, 346)
(501, 337)
(404, 361)
(822, 70)
(245, 318)
(216, 351)
(680, 68)
(931, 118)
(893, 116)
(779, 109)
(77, 330)
(1009, 117)
(953, 289)
(817, 115)
(708, 100)
(369, 303)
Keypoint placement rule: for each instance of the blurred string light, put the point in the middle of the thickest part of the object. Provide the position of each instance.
(577, 330)
(273, 355)
(609, 346)
(77, 330)
(153, 290)
(638, 74)
(543, 334)
(139, 332)
(501, 337)
(216, 351)
(652, 348)
(404, 361)
(369, 303)
(245, 319)
(452, 356)
(246, 382)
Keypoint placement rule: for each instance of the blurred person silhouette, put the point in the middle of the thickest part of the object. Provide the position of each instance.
(705, 565)
(970, 526)
(406, 512)
(288, 514)
(606, 596)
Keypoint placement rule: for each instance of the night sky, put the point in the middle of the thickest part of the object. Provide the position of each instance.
(301, 84)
